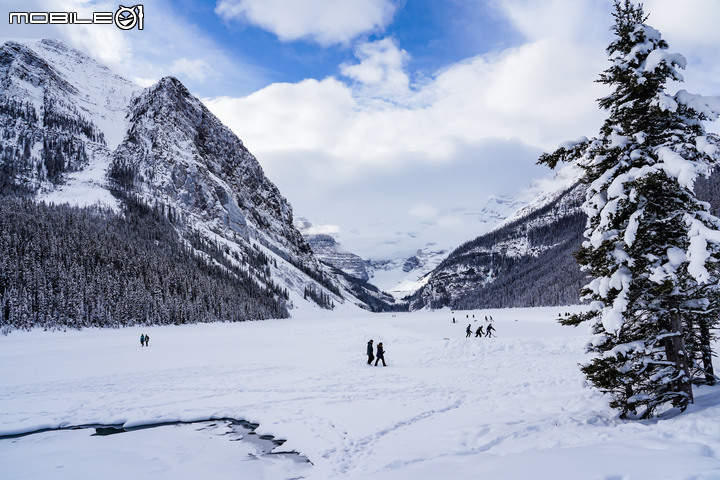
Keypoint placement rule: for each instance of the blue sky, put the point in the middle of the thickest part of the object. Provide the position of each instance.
(390, 123)
(433, 33)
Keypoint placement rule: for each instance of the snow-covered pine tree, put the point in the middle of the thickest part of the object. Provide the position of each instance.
(651, 247)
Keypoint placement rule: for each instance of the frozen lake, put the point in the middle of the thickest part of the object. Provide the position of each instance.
(514, 406)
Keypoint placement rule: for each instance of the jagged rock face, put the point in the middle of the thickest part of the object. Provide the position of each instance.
(42, 136)
(411, 264)
(179, 153)
(329, 251)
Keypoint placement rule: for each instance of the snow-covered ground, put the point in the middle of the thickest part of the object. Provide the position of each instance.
(511, 407)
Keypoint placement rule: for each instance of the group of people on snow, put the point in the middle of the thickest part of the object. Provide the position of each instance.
(144, 340)
(479, 332)
(380, 353)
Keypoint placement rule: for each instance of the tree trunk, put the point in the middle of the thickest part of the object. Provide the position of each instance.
(706, 353)
(675, 351)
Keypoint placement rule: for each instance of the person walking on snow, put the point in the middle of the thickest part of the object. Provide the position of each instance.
(142, 339)
(489, 330)
(370, 355)
(468, 331)
(479, 332)
(147, 340)
(380, 355)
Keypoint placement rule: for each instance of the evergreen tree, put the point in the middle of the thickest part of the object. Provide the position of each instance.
(651, 247)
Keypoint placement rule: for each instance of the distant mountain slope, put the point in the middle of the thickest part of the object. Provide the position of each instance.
(403, 276)
(528, 259)
(328, 250)
(524, 262)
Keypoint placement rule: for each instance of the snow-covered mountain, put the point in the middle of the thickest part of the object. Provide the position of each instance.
(403, 276)
(74, 131)
(327, 249)
(177, 153)
(526, 260)
(61, 113)
(499, 207)
(399, 276)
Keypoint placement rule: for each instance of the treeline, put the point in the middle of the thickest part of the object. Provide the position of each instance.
(63, 266)
(66, 118)
(251, 257)
(61, 132)
(318, 296)
(553, 277)
(19, 133)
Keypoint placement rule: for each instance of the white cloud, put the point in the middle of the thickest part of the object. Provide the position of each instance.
(471, 130)
(576, 20)
(691, 29)
(540, 93)
(380, 69)
(474, 129)
(196, 69)
(693, 24)
(326, 22)
(323, 230)
(424, 211)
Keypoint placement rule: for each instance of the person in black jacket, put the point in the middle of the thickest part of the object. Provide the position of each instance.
(380, 355)
(370, 355)
(489, 330)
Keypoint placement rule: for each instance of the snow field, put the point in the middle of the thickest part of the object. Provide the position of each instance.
(509, 407)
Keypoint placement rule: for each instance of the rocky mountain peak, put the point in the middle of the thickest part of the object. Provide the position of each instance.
(69, 124)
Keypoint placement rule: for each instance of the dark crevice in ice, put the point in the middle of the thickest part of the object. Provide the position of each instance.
(240, 430)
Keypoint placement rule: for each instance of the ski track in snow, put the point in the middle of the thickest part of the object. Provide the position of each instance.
(514, 406)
